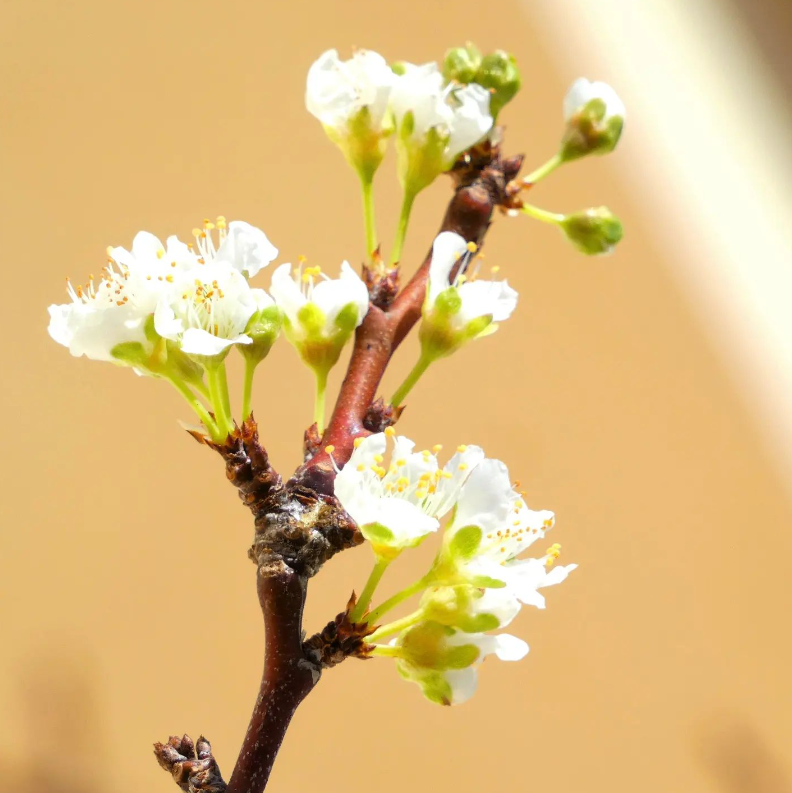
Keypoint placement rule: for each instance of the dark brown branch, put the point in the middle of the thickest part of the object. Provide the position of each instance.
(469, 214)
(288, 677)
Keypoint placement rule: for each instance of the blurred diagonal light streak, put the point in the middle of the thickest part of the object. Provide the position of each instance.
(710, 154)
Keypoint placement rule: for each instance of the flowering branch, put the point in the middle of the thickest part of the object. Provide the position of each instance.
(479, 191)
(175, 311)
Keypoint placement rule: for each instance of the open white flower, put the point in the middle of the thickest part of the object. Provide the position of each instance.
(350, 98)
(492, 525)
(396, 504)
(207, 309)
(583, 91)
(444, 663)
(459, 306)
(336, 90)
(113, 310)
(320, 313)
(447, 118)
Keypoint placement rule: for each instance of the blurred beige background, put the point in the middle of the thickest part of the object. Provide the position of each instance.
(129, 609)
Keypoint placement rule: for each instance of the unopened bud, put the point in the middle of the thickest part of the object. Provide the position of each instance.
(595, 119)
(461, 64)
(593, 231)
(498, 73)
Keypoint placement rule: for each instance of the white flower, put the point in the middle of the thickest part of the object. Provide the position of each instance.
(245, 247)
(444, 663)
(397, 504)
(584, 91)
(207, 309)
(458, 115)
(491, 526)
(460, 307)
(319, 317)
(115, 309)
(336, 90)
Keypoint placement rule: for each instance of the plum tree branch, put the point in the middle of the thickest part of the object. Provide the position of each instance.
(300, 525)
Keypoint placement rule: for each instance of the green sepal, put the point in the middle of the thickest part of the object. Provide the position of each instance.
(465, 542)
(347, 318)
(362, 144)
(589, 132)
(263, 327)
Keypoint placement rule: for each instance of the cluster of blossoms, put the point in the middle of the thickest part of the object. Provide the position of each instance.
(477, 583)
(175, 310)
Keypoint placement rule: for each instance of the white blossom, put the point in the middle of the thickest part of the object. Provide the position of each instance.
(503, 526)
(584, 91)
(134, 283)
(397, 503)
(462, 305)
(458, 114)
(318, 308)
(114, 309)
(207, 309)
(336, 90)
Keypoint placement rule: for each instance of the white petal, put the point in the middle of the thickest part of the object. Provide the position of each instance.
(147, 246)
(94, 333)
(472, 119)
(486, 298)
(463, 682)
(501, 603)
(486, 498)
(197, 341)
(246, 248)
(447, 249)
(582, 91)
(334, 294)
(460, 466)
(166, 323)
(504, 646)
(287, 293)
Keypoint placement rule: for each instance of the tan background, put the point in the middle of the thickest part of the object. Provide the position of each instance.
(128, 603)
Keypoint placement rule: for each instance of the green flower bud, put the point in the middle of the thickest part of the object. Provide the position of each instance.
(594, 231)
(498, 73)
(263, 327)
(461, 64)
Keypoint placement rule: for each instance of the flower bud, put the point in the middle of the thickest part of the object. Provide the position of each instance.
(263, 328)
(461, 64)
(593, 231)
(595, 119)
(499, 74)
